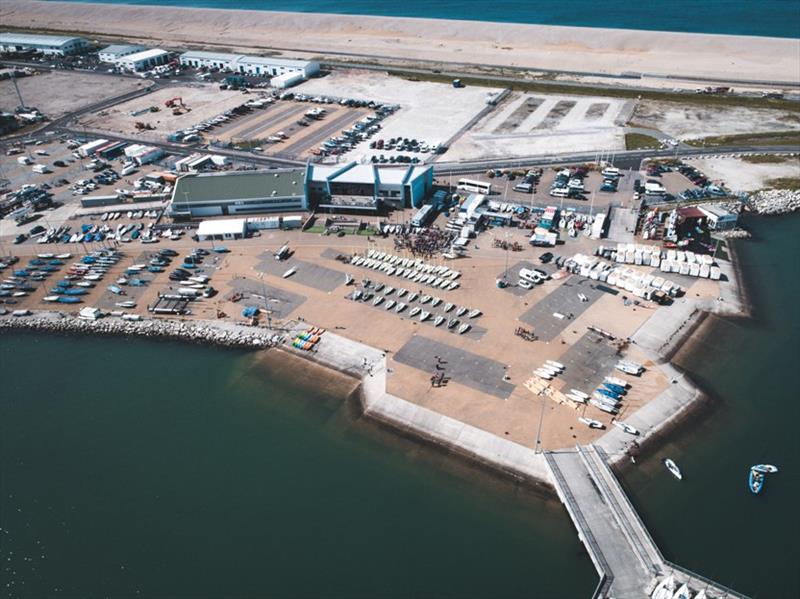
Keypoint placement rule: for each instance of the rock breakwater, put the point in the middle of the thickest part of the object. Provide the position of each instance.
(775, 201)
(202, 332)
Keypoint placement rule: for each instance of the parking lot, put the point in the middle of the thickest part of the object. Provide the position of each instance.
(429, 112)
(466, 368)
(307, 273)
(587, 362)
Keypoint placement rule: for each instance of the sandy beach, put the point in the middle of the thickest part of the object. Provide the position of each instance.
(567, 49)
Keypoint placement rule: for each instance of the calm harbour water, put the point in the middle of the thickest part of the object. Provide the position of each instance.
(133, 468)
(774, 18)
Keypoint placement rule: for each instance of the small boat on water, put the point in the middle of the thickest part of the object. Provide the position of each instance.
(461, 311)
(289, 272)
(438, 321)
(475, 313)
(626, 427)
(464, 328)
(765, 468)
(673, 468)
(448, 306)
(414, 311)
(755, 481)
(591, 423)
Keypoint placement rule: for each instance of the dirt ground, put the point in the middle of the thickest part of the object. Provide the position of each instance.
(526, 124)
(205, 102)
(695, 122)
(740, 175)
(74, 91)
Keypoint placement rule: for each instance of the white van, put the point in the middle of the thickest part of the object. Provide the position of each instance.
(529, 275)
(559, 192)
(41, 169)
(24, 160)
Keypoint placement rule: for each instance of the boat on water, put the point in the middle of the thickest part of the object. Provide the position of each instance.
(664, 589)
(475, 313)
(755, 481)
(626, 427)
(464, 328)
(448, 306)
(461, 311)
(673, 468)
(591, 423)
(438, 321)
(289, 272)
(414, 311)
(765, 468)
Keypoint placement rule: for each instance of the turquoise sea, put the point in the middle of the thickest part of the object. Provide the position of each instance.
(775, 18)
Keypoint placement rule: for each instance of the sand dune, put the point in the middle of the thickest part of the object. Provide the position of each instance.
(531, 46)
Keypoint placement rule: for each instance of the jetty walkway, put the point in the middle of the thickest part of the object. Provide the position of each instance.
(623, 552)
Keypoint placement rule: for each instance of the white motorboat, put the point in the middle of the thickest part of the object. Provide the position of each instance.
(439, 320)
(414, 311)
(575, 398)
(348, 279)
(401, 292)
(626, 427)
(453, 286)
(453, 322)
(555, 364)
(591, 423)
(50, 298)
(461, 311)
(378, 299)
(357, 294)
(413, 297)
(765, 468)
(464, 328)
(448, 306)
(400, 307)
(290, 272)
(424, 316)
(128, 304)
(673, 468)
(616, 381)
(389, 290)
(543, 374)
(389, 305)
(424, 299)
(475, 313)
(435, 302)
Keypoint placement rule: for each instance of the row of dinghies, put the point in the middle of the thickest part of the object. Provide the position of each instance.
(401, 299)
(415, 270)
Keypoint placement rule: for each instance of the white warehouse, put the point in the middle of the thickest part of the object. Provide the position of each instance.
(56, 45)
(249, 65)
(143, 61)
(111, 54)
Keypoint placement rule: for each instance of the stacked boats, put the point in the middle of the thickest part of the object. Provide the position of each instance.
(398, 300)
(666, 589)
(629, 367)
(549, 370)
(757, 477)
(413, 269)
(308, 340)
(608, 396)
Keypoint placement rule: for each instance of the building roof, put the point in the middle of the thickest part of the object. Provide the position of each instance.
(353, 172)
(227, 226)
(36, 39)
(144, 55)
(244, 185)
(202, 55)
(245, 59)
(118, 49)
(717, 211)
(691, 212)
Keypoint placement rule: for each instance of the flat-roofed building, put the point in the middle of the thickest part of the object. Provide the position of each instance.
(144, 60)
(719, 217)
(111, 54)
(240, 192)
(368, 187)
(228, 228)
(58, 45)
(258, 66)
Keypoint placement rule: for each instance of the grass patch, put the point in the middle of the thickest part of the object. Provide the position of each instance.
(765, 159)
(788, 183)
(774, 138)
(638, 141)
(315, 229)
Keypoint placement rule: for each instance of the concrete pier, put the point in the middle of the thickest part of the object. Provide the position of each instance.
(623, 552)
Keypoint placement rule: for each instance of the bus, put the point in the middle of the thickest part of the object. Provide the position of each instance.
(474, 186)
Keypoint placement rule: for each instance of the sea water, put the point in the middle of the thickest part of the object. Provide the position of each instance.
(773, 18)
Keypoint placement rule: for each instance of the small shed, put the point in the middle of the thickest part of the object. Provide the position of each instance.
(229, 228)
